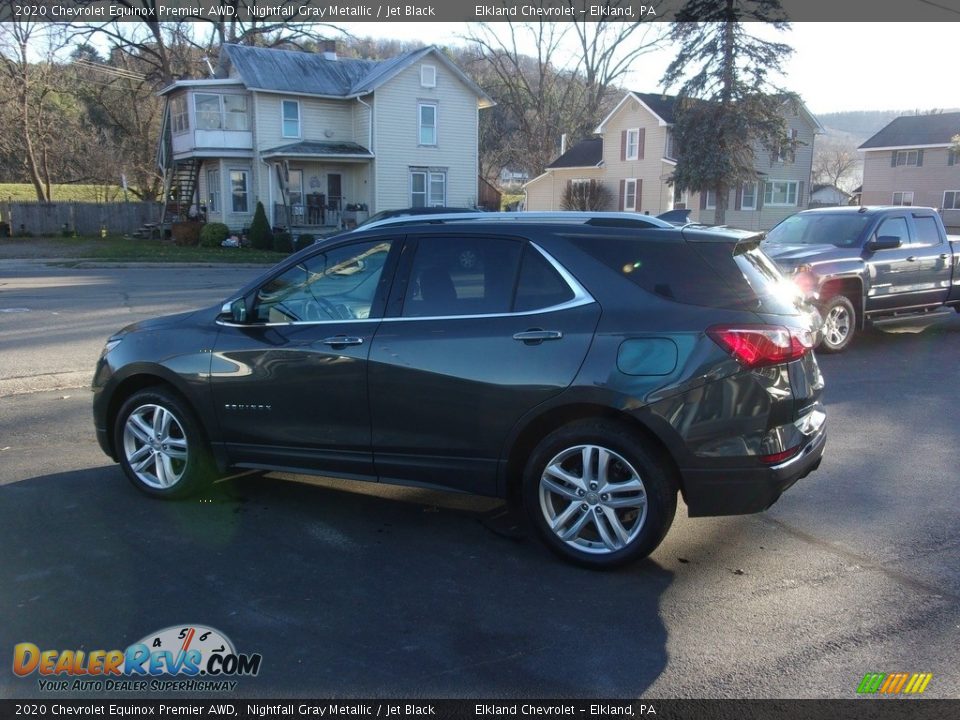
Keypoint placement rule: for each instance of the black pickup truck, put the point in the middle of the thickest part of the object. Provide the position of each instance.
(868, 265)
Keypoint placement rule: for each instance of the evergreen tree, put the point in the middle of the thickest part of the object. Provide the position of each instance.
(261, 236)
(726, 100)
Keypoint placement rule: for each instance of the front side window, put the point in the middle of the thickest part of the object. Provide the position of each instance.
(908, 157)
(239, 190)
(778, 192)
(748, 200)
(428, 123)
(340, 284)
(951, 200)
(462, 276)
(290, 111)
(207, 108)
(213, 190)
(903, 198)
(895, 227)
(428, 188)
(630, 194)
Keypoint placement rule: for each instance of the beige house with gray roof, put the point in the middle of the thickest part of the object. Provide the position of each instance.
(635, 156)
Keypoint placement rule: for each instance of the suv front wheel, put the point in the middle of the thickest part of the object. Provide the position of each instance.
(161, 447)
(597, 495)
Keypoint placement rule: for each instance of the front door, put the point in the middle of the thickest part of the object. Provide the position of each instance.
(479, 331)
(290, 385)
(335, 191)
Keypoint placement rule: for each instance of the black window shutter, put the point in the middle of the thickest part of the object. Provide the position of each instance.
(893, 158)
(919, 158)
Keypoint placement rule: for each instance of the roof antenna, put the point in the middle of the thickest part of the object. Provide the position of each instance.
(209, 66)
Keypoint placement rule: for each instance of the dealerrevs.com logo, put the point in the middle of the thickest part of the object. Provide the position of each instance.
(180, 657)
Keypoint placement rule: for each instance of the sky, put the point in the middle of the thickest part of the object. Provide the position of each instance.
(835, 67)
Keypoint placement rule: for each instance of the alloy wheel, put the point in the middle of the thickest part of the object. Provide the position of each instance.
(155, 446)
(593, 499)
(836, 326)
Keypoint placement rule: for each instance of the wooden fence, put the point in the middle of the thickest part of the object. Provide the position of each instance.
(84, 218)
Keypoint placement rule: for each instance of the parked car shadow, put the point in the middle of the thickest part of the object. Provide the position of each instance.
(343, 593)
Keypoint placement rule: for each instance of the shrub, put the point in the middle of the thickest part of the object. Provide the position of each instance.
(590, 195)
(305, 240)
(283, 242)
(213, 234)
(260, 235)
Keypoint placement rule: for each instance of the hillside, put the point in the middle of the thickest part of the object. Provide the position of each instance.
(858, 126)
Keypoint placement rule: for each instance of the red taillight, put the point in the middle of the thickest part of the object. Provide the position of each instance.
(759, 345)
(774, 458)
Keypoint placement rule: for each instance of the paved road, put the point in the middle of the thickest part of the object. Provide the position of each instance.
(386, 591)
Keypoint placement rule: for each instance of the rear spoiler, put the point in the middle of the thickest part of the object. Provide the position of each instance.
(722, 234)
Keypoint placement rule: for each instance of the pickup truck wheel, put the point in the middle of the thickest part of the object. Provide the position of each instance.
(597, 495)
(839, 324)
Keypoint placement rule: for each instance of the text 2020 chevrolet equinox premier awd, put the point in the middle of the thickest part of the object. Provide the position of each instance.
(590, 367)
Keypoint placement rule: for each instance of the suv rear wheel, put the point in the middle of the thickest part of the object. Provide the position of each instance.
(597, 495)
(161, 447)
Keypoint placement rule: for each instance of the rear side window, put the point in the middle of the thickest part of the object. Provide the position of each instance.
(926, 229)
(539, 286)
(711, 274)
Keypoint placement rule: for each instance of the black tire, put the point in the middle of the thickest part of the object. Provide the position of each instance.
(170, 463)
(643, 524)
(839, 324)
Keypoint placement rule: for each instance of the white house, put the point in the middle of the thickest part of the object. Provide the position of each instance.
(309, 134)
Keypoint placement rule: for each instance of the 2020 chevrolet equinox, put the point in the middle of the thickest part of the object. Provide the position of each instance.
(589, 367)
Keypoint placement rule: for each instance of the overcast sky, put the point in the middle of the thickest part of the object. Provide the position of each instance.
(835, 67)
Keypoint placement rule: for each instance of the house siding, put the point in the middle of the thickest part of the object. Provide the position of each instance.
(927, 182)
(546, 191)
(396, 128)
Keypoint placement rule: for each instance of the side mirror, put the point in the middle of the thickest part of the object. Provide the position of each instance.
(883, 242)
(237, 310)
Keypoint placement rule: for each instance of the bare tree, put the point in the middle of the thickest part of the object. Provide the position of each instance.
(589, 195)
(548, 79)
(836, 164)
(34, 128)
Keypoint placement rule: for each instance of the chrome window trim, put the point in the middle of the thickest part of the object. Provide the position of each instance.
(580, 297)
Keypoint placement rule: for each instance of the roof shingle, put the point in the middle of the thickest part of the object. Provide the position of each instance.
(586, 153)
(915, 130)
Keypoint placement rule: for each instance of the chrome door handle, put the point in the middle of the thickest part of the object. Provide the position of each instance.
(944, 256)
(535, 337)
(911, 258)
(342, 340)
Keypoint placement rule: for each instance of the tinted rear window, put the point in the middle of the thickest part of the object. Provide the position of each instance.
(712, 274)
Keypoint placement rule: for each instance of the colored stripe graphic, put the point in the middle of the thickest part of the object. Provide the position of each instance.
(894, 683)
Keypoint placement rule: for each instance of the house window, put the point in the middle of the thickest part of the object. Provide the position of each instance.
(633, 144)
(428, 188)
(179, 117)
(427, 123)
(748, 199)
(908, 157)
(711, 202)
(290, 110)
(235, 112)
(671, 151)
(220, 112)
(951, 200)
(680, 200)
(903, 198)
(630, 194)
(428, 76)
(780, 193)
(213, 190)
(207, 109)
(238, 190)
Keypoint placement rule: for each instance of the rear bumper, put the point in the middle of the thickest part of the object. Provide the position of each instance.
(741, 491)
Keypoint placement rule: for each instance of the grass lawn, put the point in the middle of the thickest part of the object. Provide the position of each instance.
(77, 193)
(121, 249)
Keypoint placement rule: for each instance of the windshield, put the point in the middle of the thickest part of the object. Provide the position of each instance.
(842, 230)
